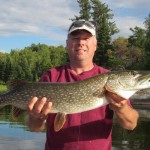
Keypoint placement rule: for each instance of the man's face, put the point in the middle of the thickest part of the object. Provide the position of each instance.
(81, 46)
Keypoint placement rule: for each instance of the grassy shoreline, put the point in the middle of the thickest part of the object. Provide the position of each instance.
(3, 88)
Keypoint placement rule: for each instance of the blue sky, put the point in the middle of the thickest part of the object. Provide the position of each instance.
(24, 22)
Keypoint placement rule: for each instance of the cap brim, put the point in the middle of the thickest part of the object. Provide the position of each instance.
(92, 31)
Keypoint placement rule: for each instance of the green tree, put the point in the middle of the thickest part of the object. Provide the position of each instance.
(8, 70)
(60, 57)
(105, 29)
(5, 66)
(123, 56)
(147, 43)
(15, 60)
(141, 39)
(147, 26)
(84, 11)
(100, 14)
(2, 65)
(138, 37)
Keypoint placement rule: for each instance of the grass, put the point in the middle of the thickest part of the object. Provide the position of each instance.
(3, 88)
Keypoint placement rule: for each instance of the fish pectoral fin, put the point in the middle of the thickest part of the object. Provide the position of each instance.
(99, 93)
(59, 121)
(16, 113)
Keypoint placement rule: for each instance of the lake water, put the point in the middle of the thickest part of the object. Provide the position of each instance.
(16, 136)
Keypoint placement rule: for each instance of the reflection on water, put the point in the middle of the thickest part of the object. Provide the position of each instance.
(16, 136)
(138, 139)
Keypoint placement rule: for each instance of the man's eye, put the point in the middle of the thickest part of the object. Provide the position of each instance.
(86, 39)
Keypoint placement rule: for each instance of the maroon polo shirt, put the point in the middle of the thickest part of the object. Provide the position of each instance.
(90, 130)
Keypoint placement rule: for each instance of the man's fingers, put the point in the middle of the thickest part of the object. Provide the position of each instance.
(115, 101)
(47, 108)
(31, 103)
(113, 97)
(39, 108)
(39, 105)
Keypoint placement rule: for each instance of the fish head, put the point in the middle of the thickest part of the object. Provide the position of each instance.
(126, 83)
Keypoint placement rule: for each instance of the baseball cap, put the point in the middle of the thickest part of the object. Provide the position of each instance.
(83, 25)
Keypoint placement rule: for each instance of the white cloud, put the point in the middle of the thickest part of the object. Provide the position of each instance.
(125, 23)
(128, 14)
(50, 18)
(35, 16)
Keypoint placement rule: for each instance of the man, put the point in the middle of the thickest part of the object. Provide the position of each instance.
(89, 130)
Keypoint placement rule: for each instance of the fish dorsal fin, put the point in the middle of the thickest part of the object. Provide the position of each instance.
(16, 113)
(14, 84)
(59, 121)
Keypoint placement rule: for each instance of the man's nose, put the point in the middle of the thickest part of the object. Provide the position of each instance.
(81, 41)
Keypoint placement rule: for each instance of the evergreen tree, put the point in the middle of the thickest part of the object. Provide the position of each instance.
(105, 29)
(141, 39)
(123, 56)
(147, 43)
(84, 11)
(7, 71)
(100, 14)
(138, 37)
(147, 26)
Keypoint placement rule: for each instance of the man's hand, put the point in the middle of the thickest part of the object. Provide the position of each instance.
(126, 115)
(38, 111)
(115, 102)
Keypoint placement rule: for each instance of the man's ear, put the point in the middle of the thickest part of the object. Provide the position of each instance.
(95, 45)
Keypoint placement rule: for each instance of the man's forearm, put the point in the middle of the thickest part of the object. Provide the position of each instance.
(127, 117)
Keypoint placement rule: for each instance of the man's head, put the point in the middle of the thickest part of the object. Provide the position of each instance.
(83, 25)
(81, 42)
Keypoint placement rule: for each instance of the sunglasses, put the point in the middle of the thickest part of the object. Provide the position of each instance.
(80, 23)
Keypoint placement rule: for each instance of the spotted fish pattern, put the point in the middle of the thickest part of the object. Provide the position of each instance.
(80, 96)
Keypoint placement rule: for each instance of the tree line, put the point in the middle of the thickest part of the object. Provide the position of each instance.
(118, 54)
(30, 62)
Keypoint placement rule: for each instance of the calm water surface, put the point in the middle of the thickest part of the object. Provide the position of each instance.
(16, 136)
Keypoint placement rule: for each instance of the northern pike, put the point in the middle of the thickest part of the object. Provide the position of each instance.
(76, 97)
